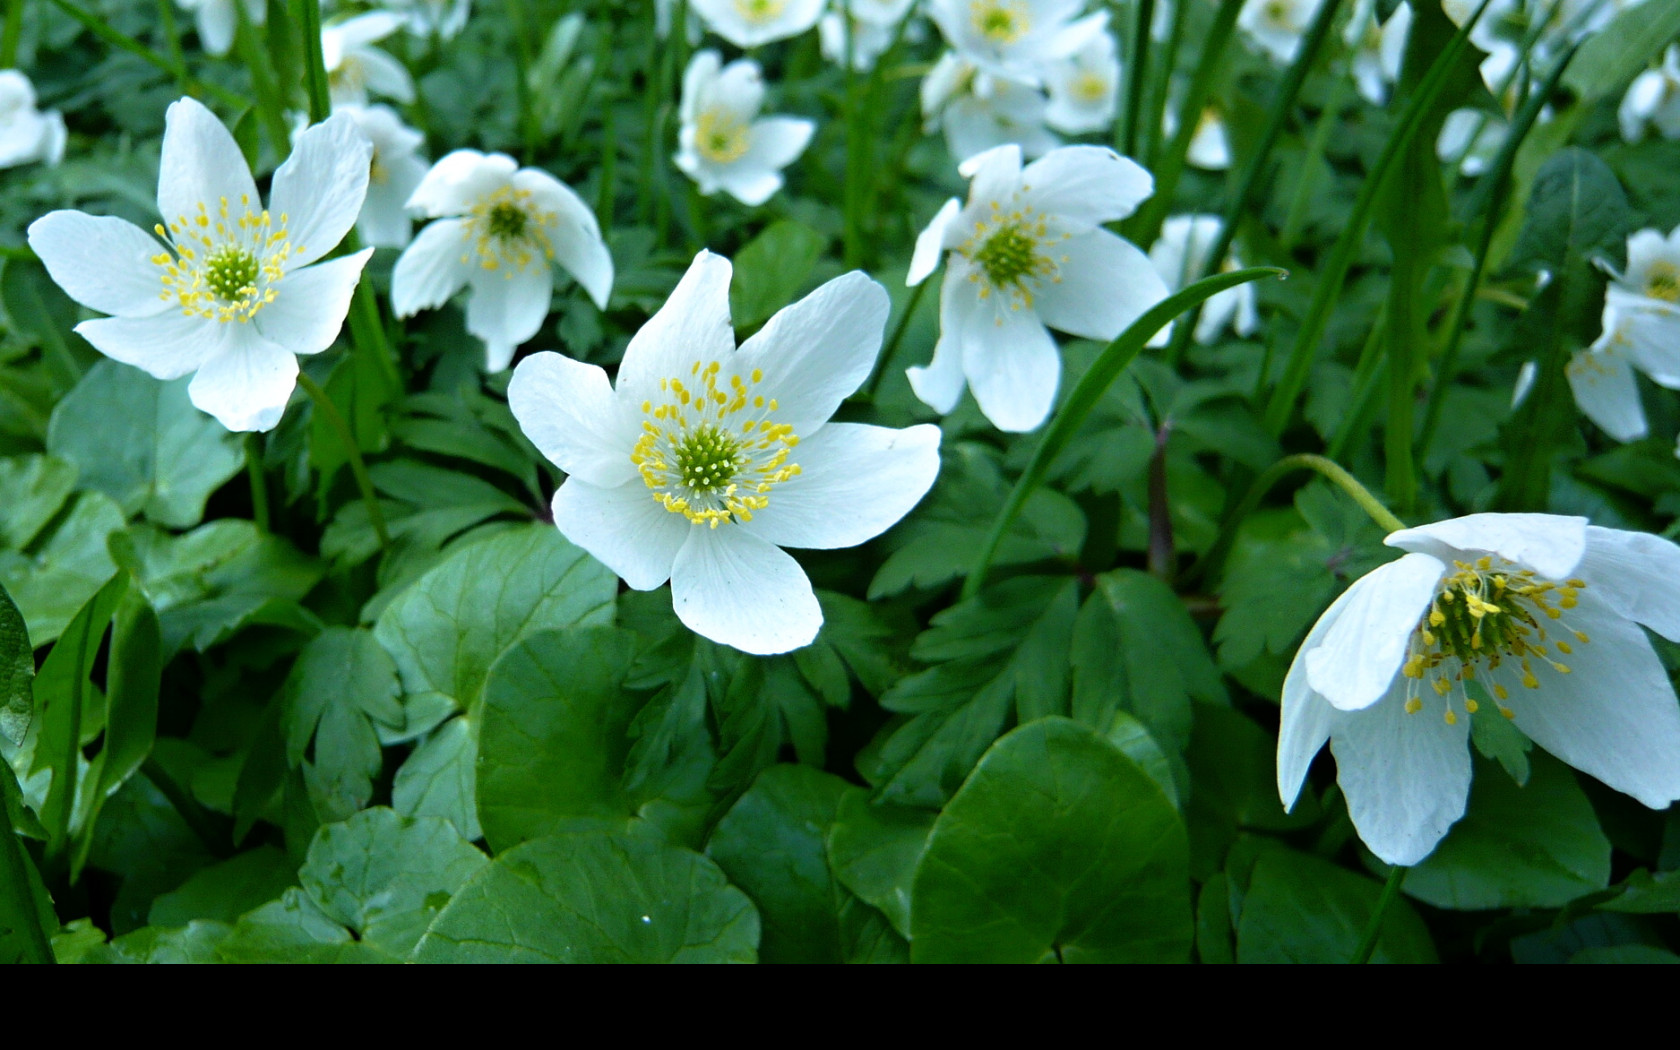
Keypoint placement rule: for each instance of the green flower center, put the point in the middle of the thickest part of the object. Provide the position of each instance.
(1484, 619)
(231, 272)
(507, 221)
(706, 458)
(508, 230)
(1007, 256)
(760, 11)
(1008, 252)
(1002, 21)
(1662, 281)
(720, 137)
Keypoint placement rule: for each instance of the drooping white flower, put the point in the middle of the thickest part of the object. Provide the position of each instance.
(355, 68)
(27, 135)
(1641, 333)
(1277, 26)
(1029, 251)
(498, 232)
(707, 459)
(1531, 617)
(1180, 256)
(1015, 39)
(442, 19)
(394, 174)
(750, 23)
(218, 21)
(1653, 100)
(1378, 48)
(723, 144)
(978, 111)
(1085, 88)
(1210, 145)
(229, 293)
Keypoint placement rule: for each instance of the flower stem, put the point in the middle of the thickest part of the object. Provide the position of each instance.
(1390, 890)
(1084, 397)
(308, 16)
(1126, 138)
(335, 419)
(12, 33)
(259, 486)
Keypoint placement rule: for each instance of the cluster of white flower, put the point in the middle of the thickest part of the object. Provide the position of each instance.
(27, 135)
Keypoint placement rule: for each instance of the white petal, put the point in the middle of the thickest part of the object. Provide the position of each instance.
(101, 262)
(384, 75)
(750, 187)
(1012, 365)
(164, 346)
(732, 587)
(1406, 776)
(568, 410)
(309, 305)
(1550, 544)
(693, 325)
(575, 234)
(1086, 184)
(1106, 284)
(624, 528)
(1636, 574)
(362, 29)
(247, 383)
(384, 222)
(855, 482)
(930, 244)
(201, 164)
(941, 382)
(1607, 393)
(1306, 718)
(459, 179)
(216, 22)
(995, 173)
(432, 268)
(1614, 716)
(777, 142)
(819, 350)
(1361, 655)
(321, 186)
(508, 306)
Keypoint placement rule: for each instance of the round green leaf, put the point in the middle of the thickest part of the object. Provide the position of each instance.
(1058, 847)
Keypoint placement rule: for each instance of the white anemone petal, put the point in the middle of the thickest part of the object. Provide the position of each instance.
(1550, 544)
(732, 587)
(855, 482)
(101, 262)
(623, 528)
(1361, 654)
(568, 410)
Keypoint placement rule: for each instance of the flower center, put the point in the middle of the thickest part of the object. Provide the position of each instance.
(1278, 14)
(1090, 87)
(220, 267)
(760, 11)
(377, 172)
(721, 137)
(709, 450)
(1001, 21)
(1484, 619)
(1008, 252)
(348, 77)
(508, 230)
(1662, 281)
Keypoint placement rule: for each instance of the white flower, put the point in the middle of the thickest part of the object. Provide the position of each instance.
(355, 67)
(1378, 48)
(1641, 332)
(499, 229)
(1180, 256)
(1028, 251)
(749, 23)
(1210, 146)
(218, 21)
(979, 111)
(393, 175)
(1085, 87)
(1540, 616)
(723, 144)
(1015, 38)
(664, 11)
(432, 18)
(707, 459)
(1653, 100)
(26, 134)
(229, 294)
(1471, 138)
(1276, 26)
(869, 39)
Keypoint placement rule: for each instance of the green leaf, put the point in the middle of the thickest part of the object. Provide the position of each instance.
(17, 669)
(196, 942)
(32, 489)
(771, 269)
(553, 741)
(1106, 852)
(874, 848)
(141, 442)
(294, 929)
(594, 898)
(385, 876)
(1300, 909)
(1647, 893)
(1537, 846)
(1577, 211)
(225, 890)
(26, 912)
(437, 780)
(1612, 56)
(1497, 738)
(342, 686)
(63, 569)
(1643, 954)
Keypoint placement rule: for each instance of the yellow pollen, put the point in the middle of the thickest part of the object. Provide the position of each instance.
(1662, 281)
(223, 269)
(721, 136)
(1001, 21)
(760, 11)
(508, 231)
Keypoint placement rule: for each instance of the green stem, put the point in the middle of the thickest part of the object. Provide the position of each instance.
(14, 876)
(1306, 183)
(1249, 178)
(856, 143)
(259, 485)
(335, 419)
(307, 14)
(1329, 470)
(124, 42)
(1365, 373)
(172, 36)
(893, 340)
(1405, 331)
(1334, 272)
(1126, 139)
(1160, 93)
(10, 36)
(522, 84)
(1390, 890)
(270, 109)
(1084, 397)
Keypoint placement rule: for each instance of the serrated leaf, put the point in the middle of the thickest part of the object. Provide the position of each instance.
(17, 670)
(66, 566)
(1610, 57)
(294, 930)
(874, 848)
(32, 489)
